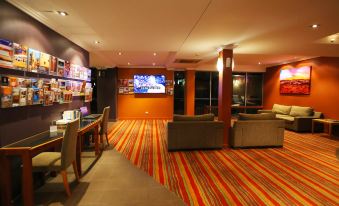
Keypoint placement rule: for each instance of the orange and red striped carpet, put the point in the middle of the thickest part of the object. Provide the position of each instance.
(304, 172)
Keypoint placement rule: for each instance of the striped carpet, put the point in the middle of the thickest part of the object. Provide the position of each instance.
(304, 172)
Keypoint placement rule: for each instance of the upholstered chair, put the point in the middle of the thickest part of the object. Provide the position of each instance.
(104, 123)
(60, 161)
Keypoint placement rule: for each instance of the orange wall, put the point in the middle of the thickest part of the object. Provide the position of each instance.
(134, 106)
(324, 96)
(190, 92)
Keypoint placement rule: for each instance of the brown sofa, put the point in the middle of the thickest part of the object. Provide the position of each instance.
(296, 118)
(194, 132)
(257, 130)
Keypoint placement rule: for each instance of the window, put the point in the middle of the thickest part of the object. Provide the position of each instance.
(247, 91)
(206, 92)
(179, 92)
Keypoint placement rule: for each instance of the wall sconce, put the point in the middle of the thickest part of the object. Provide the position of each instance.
(220, 64)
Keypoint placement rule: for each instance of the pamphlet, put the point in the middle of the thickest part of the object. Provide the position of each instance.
(20, 56)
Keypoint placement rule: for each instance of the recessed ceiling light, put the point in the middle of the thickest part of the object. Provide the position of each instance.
(259, 62)
(153, 63)
(120, 53)
(128, 63)
(62, 13)
(97, 42)
(154, 54)
(315, 26)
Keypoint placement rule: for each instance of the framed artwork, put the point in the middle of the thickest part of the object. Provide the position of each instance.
(121, 90)
(295, 81)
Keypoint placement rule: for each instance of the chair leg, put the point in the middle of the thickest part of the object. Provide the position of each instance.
(66, 185)
(107, 138)
(75, 168)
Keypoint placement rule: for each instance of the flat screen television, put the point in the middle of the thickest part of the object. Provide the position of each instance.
(149, 84)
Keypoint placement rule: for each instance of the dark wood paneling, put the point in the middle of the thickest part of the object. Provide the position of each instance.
(107, 91)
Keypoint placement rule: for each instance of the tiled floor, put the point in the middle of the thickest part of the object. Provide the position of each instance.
(112, 181)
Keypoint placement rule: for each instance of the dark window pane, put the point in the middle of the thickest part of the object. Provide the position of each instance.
(202, 84)
(179, 92)
(215, 84)
(254, 90)
(239, 85)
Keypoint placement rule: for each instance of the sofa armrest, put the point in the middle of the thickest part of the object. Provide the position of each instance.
(264, 111)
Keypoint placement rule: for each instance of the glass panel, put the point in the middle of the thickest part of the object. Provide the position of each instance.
(239, 84)
(202, 92)
(254, 90)
(179, 92)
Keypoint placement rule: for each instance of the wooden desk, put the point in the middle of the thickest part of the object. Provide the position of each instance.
(329, 123)
(28, 148)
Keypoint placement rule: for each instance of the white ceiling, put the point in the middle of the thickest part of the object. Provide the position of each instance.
(266, 31)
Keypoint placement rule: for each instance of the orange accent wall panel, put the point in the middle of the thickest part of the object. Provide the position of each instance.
(324, 95)
(190, 92)
(144, 106)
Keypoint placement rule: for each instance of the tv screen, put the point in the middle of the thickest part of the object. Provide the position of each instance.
(149, 84)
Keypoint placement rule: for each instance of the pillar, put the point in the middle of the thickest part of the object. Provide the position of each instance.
(189, 92)
(225, 91)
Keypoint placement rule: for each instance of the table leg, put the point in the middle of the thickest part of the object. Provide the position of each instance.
(96, 138)
(6, 187)
(78, 154)
(27, 179)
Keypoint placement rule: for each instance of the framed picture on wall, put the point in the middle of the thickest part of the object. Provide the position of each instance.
(130, 90)
(295, 81)
(120, 90)
(126, 90)
(130, 82)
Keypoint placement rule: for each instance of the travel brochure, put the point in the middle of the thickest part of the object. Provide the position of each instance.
(19, 91)
(20, 57)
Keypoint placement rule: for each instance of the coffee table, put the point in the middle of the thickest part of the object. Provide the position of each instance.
(330, 123)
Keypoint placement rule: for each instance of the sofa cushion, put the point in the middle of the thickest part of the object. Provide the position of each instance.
(301, 111)
(263, 116)
(204, 117)
(285, 117)
(281, 109)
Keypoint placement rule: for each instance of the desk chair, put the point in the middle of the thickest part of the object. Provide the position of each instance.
(104, 123)
(60, 161)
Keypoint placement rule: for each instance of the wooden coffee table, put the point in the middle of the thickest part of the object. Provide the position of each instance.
(330, 123)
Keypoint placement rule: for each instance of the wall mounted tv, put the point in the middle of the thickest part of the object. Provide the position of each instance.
(149, 84)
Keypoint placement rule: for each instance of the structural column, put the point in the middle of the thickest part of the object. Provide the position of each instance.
(225, 91)
(189, 92)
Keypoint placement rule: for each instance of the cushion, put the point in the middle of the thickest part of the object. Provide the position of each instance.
(47, 161)
(263, 116)
(285, 117)
(204, 117)
(281, 109)
(297, 111)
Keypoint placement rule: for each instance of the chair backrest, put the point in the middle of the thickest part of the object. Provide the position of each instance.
(69, 144)
(104, 120)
